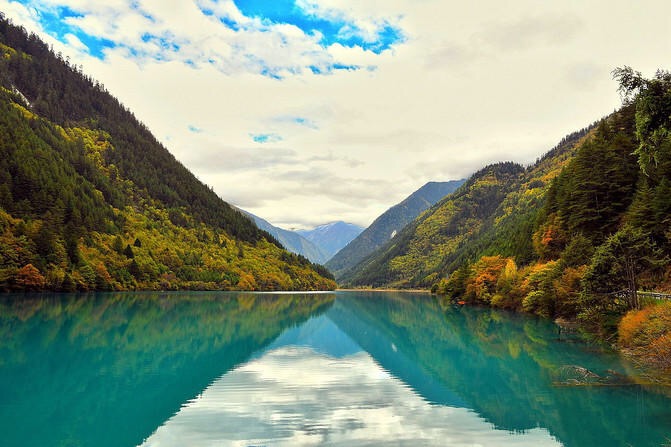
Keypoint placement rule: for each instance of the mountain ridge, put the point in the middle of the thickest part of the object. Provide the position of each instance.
(388, 224)
(377, 270)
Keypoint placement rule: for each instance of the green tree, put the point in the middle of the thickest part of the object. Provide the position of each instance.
(652, 98)
(578, 252)
(135, 270)
(68, 284)
(593, 191)
(88, 275)
(617, 265)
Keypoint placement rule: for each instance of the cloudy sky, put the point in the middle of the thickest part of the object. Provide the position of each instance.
(309, 111)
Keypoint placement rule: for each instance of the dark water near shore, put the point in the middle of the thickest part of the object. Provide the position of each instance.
(346, 368)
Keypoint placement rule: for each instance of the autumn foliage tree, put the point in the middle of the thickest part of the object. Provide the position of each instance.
(29, 278)
(481, 285)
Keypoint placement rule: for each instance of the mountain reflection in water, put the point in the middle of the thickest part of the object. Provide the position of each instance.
(351, 368)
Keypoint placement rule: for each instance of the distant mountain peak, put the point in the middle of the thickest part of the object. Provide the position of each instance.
(291, 240)
(333, 236)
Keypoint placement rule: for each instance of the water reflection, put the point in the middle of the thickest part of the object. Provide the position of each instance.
(297, 396)
(107, 369)
(204, 369)
(503, 366)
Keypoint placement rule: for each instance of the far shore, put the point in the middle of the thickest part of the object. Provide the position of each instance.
(385, 290)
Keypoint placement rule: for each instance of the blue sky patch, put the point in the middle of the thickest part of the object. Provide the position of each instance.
(53, 22)
(165, 43)
(195, 129)
(227, 21)
(332, 30)
(136, 7)
(297, 120)
(266, 137)
(327, 69)
(304, 122)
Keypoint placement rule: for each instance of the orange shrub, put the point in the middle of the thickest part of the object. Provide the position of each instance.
(647, 335)
(29, 278)
(659, 353)
(481, 285)
(549, 240)
(631, 325)
(567, 290)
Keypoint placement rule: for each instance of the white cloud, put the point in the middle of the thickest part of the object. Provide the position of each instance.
(473, 83)
(528, 31)
(364, 25)
(76, 44)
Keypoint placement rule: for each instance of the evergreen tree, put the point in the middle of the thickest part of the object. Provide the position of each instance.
(128, 252)
(652, 98)
(617, 264)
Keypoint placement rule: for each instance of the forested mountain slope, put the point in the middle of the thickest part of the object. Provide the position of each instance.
(89, 199)
(413, 258)
(389, 224)
(576, 235)
(494, 212)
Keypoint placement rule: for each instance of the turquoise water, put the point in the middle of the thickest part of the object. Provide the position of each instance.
(346, 368)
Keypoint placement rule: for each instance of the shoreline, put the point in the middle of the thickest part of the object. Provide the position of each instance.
(384, 290)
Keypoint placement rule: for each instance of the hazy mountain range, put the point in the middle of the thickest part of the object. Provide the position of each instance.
(332, 237)
(292, 240)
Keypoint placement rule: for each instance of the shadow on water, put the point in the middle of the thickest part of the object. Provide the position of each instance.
(107, 369)
(506, 367)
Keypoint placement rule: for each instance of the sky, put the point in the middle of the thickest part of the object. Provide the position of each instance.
(305, 112)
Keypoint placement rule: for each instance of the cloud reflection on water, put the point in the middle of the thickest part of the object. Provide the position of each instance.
(296, 396)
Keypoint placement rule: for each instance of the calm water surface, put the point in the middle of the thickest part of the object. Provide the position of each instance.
(346, 368)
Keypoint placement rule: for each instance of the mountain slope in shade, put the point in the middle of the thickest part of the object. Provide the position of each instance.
(332, 237)
(390, 223)
(291, 240)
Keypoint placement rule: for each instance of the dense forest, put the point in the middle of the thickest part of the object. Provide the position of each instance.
(89, 199)
(576, 235)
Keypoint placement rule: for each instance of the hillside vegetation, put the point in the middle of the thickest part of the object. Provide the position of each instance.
(494, 212)
(89, 199)
(589, 219)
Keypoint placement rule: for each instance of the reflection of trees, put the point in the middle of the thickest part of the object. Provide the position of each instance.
(503, 366)
(107, 369)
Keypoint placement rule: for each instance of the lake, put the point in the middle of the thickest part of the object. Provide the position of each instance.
(346, 368)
